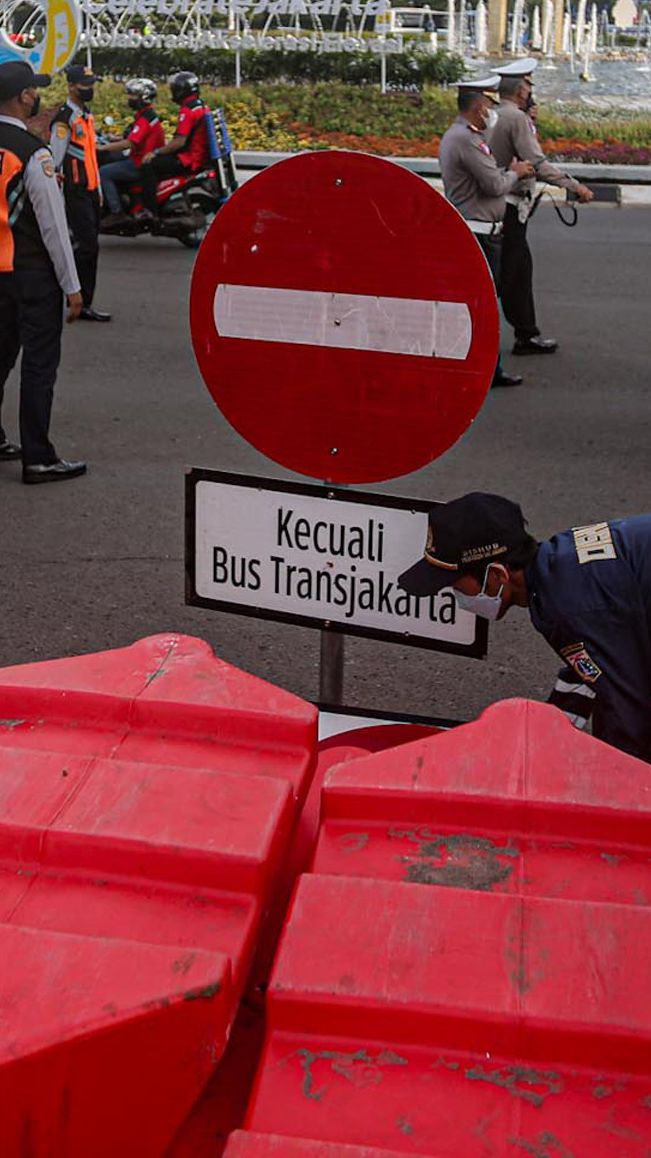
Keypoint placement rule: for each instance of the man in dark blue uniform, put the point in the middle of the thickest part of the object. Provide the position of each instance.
(588, 591)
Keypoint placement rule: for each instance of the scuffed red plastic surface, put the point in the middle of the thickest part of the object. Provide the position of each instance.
(148, 798)
(247, 1145)
(517, 802)
(467, 970)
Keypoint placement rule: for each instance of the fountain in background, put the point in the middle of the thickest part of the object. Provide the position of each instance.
(548, 35)
(481, 29)
(536, 32)
(579, 28)
(646, 25)
(517, 29)
(588, 49)
(450, 38)
(591, 37)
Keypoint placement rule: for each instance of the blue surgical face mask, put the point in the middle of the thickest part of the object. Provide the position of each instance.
(483, 605)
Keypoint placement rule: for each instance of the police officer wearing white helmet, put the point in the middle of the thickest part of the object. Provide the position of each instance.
(513, 137)
(473, 181)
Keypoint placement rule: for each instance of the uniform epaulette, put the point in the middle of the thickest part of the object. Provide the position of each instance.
(62, 116)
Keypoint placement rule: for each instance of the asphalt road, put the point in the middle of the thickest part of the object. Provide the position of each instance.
(98, 562)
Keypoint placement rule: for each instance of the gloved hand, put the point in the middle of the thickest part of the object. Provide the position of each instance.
(573, 697)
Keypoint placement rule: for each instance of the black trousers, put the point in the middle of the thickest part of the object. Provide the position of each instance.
(155, 171)
(31, 318)
(517, 277)
(491, 244)
(82, 210)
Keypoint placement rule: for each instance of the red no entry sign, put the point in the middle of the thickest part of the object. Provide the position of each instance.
(344, 318)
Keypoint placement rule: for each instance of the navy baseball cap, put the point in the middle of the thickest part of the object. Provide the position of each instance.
(81, 74)
(17, 75)
(476, 528)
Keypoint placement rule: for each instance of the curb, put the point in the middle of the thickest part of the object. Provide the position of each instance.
(612, 184)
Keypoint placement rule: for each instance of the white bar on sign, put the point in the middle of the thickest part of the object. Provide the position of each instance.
(423, 329)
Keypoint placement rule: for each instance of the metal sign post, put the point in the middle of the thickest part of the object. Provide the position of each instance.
(331, 669)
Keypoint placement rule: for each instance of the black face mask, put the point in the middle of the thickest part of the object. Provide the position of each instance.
(33, 112)
(530, 102)
(86, 94)
(134, 103)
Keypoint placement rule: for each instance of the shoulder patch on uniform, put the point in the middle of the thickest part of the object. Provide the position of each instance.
(577, 657)
(61, 129)
(47, 165)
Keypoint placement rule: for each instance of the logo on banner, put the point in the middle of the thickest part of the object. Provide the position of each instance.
(59, 43)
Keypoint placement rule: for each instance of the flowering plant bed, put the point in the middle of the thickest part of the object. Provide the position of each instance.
(597, 152)
(333, 115)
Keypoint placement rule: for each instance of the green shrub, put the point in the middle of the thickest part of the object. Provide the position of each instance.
(584, 124)
(218, 67)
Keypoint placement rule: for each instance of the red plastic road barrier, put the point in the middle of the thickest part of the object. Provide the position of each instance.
(103, 1040)
(246, 1145)
(459, 1023)
(339, 749)
(517, 802)
(464, 1021)
(148, 798)
(224, 1101)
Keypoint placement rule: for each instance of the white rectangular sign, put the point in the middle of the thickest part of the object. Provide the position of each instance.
(318, 556)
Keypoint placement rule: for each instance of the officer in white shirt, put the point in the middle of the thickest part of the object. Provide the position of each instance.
(514, 137)
(474, 182)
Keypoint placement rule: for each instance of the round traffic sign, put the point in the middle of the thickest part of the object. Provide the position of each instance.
(344, 318)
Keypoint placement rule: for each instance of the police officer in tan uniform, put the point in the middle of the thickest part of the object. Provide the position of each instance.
(74, 148)
(474, 182)
(513, 137)
(37, 270)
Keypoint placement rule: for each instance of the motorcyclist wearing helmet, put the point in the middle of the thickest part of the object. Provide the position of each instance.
(142, 137)
(188, 151)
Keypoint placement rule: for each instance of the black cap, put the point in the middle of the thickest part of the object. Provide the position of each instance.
(17, 75)
(476, 528)
(81, 74)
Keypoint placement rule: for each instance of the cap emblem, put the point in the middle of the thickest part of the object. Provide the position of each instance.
(430, 557)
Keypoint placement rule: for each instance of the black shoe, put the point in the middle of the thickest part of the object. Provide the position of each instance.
(9, 451)
(52, 472)
(90, 315)
(535, 346)
(503, 379)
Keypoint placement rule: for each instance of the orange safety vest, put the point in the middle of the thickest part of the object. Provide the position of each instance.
(21, 243)
(80, 168)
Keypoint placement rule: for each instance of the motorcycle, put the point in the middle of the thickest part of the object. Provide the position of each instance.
(187, 204)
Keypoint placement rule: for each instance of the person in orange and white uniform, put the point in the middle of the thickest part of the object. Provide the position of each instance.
(37, 269)
(74, 147)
